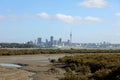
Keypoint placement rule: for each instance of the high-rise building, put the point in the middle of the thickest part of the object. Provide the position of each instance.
(60, 41)
(35, 42)
(39, 41)
(51, 41)
(46, 43)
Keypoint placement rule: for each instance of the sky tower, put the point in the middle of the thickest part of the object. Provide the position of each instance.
(71, 37)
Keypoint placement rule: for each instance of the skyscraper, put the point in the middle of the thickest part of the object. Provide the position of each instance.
(39, 41)
(46, 43)
(70, 38)
(51, 41)
(59, 41)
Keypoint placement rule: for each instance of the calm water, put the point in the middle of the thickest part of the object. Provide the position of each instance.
(9, 65)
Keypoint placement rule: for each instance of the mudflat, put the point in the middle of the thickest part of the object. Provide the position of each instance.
(34, 67)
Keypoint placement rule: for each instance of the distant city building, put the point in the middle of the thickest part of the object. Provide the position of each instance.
(39, 41)
(60, 41)
(70, 38)
(46, 42)
(51, 41)
(35, 43)
(30, 42)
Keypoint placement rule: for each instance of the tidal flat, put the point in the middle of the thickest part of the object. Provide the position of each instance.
(34, 67)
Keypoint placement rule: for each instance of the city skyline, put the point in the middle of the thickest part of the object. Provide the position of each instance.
(53, 43)
(91, 21)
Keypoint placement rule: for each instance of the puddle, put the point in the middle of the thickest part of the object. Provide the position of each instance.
(9, 65)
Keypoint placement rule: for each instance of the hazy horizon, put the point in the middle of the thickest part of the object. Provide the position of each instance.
(89, 20)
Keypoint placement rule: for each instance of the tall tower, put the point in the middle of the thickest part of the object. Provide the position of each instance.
(70, 37)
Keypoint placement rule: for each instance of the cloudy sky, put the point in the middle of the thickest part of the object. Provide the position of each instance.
(89, 20)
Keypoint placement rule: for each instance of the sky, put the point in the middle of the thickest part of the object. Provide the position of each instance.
(90, 21)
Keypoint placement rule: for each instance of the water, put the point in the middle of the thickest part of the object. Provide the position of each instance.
(9, 65)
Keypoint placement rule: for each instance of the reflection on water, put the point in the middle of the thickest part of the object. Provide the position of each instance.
(9, 65)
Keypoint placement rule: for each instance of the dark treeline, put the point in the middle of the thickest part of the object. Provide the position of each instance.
(91, 67)
(16, 45)
(51, 51)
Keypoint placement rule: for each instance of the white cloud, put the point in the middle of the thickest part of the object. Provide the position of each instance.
(65, 18)
(59, 17)
(69, 18)
(117, 14)
(93, 3)
(43, 15)
(92, 19)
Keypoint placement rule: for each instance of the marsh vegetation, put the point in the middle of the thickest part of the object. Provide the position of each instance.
(91, 67)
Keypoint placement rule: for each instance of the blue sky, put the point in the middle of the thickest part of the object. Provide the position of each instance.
(89, 20)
